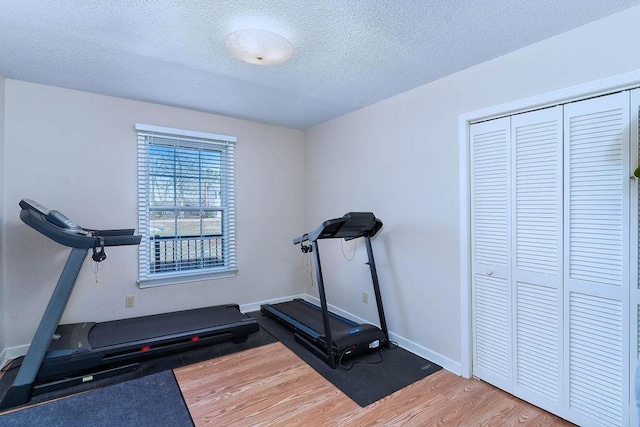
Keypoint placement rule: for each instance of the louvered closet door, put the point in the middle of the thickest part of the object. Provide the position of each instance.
(491, 246)
(596, 260)
(537, 277)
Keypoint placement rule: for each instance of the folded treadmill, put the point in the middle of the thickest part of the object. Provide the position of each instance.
(328, 335)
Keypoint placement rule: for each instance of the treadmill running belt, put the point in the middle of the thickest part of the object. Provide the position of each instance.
(148, 327)
(311, 316)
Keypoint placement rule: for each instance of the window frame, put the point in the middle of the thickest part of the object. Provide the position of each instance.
(201, 141)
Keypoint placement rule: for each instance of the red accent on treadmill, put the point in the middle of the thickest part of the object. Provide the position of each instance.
(145, 348)
(195, 338)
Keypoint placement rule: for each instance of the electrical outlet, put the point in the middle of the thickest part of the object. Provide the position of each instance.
(365, 297)
(129, 301)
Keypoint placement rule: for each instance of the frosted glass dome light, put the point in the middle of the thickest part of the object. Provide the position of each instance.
(258, 47)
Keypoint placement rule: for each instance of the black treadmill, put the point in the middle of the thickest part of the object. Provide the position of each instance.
(64, 355)
(328, 335)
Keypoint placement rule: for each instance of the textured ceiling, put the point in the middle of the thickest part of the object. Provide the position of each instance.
(348, 54)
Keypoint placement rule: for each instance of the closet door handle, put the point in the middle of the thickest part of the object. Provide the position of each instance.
(489, 272)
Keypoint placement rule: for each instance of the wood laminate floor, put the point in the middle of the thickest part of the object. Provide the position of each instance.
(271, 386)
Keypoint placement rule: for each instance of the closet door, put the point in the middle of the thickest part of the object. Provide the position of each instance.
(596, 260)
(537, 256)
(491, 247)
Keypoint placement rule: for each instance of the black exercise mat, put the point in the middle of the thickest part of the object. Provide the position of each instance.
(367, 381)
(154, 400)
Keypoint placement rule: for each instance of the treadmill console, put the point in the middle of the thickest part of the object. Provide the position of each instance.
(54, 217)
(61, 229)
(351, 226)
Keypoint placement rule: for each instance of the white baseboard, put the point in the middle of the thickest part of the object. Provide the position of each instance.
(437, 358)
(255, 306)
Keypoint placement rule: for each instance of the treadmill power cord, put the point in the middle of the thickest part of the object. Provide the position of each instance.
(392, 346)
(355, 249)
(347, 368)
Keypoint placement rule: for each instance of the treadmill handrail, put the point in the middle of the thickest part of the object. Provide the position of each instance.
(75, 237)
(351, 226)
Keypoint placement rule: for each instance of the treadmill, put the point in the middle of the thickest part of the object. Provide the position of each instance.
(63, 355)
(328, 335)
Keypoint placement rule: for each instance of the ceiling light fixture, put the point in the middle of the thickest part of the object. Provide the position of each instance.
(259, 47)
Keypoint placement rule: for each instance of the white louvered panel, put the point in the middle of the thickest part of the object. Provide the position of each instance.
(491, 247)
(490, 193)
(637, 313)
(596, 146)
(537, 195)
(597, 232)
(491, 319)
(537, 250)
(537, 336)
(595, 358)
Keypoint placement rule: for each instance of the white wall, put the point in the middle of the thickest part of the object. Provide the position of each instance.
(76, 152)
(399, 159)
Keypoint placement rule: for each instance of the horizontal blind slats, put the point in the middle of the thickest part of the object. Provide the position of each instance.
(185, 203)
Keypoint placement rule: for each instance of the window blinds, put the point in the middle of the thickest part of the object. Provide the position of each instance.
(186, 205)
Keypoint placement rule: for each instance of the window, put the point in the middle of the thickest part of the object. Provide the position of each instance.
(185, 205)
